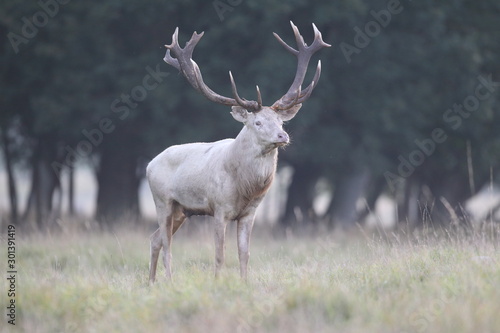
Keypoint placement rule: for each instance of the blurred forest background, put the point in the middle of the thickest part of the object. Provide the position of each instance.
(406, 107)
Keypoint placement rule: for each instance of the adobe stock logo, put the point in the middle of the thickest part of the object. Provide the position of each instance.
(31, 26)
(452, 117)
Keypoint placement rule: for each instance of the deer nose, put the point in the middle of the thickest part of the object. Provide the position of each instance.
(283, 137)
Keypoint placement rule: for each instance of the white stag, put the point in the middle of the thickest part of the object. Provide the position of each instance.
(226, 179)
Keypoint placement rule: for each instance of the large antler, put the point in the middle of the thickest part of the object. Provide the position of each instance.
(187, 66)
(295, 94)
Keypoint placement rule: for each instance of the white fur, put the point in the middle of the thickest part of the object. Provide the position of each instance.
(226, 179)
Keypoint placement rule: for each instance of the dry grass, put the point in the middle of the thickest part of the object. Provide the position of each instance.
(97, 282)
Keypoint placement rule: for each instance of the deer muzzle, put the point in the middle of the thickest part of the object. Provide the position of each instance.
(282, 139)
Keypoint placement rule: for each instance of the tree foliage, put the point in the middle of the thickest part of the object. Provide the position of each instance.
(87, 81)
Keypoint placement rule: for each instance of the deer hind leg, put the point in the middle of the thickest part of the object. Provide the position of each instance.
(166, 229)
(170, 221)
(155, 248)
(162, 238)
(179, 219)
(157, 239)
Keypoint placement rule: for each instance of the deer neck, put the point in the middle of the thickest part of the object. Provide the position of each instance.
(252, 165)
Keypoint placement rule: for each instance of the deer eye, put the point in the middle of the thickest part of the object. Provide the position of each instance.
(258, 123)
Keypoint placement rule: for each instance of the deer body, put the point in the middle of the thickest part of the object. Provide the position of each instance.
(226, 179)
(224, 176)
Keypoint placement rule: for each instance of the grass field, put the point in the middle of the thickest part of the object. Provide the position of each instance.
(97, 282)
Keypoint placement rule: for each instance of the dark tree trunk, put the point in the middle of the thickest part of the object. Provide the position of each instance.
(348, 189)
(438, 201)
(118, 185)
(44, 182)
(71, 191)
(12, 189)
(299, 205)
(407, 200)
(374, 191)
(448, 195)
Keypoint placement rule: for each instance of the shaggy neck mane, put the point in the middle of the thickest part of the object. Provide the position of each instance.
(252, 165)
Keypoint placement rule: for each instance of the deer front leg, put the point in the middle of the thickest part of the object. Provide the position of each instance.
(220, 246)
(244, 230)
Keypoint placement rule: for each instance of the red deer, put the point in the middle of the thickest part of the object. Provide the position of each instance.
(226, 179)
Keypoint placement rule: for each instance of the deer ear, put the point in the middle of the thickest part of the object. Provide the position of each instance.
(288, 114)
(239, 113)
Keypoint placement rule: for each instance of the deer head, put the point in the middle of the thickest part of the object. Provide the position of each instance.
(265, 121)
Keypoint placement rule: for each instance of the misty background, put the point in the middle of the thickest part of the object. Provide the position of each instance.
(403, 126)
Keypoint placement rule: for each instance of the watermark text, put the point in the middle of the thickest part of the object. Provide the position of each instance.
(11, 275)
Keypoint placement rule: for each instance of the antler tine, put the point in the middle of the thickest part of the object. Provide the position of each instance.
(298, 37)
(305, 94)
(191, 44)
(209, 93)
(285, 45)
(303, 54)
(168, 57)
(175, 39)
(249, 105)
(259, 98)
(318, 42)
(314, 81)
(189, 68)
(294, 101)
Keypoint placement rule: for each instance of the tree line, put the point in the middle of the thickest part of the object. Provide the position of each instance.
(406, 105)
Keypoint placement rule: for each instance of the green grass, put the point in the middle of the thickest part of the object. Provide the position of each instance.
(97, 282)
